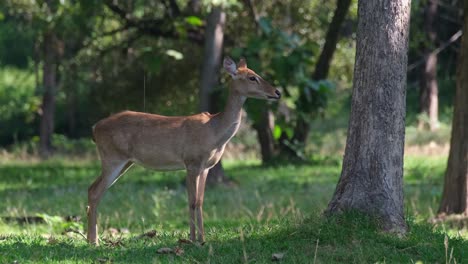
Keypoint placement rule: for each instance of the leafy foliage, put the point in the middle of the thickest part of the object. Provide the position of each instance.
(287, 60)
(18, 104)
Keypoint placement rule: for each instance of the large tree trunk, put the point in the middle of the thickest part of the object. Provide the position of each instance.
(372, 176)
(455, 195)
(428, 91)
(48, 95)
(210, 76)
(302, 129)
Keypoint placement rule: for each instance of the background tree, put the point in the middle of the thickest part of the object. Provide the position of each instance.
(284, 137)
(212, 57)
(435, 30)
(428, 88)
(372, 176)
(455, 194)
(59, 32)
(128, 45)
(51, 57)
(322, 67)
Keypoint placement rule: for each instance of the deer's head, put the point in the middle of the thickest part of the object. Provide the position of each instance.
(248, 83)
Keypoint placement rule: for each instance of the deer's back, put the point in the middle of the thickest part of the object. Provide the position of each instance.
(155, 141)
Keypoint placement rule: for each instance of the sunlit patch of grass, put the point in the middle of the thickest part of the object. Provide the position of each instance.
(350, 238)
(271, 210)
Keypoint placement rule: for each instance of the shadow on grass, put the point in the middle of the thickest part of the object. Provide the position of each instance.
(40, 251)
(351, 238)
(39, 176)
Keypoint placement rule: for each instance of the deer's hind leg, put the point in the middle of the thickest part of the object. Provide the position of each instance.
(110, 172)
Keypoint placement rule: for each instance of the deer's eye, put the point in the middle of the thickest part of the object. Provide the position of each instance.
(252, 78)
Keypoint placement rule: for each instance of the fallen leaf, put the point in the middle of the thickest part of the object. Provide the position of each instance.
(277, 256)
(150, 234)
(110, 243)
(72, 218)
(165, 250)
(178, 251)
(185, 241)
(46, 236)
(113, 231)
(71, 231)
(124, 230)
(52, 240)
(104, 260)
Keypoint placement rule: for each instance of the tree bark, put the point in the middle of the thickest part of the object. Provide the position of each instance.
(71, 98)
(264, 128)
(455, 195)
(212, 56)
(372, 176)
(48, 95)
(210, 76)
(428, 91)
(302, 129)
(194, 7)
(217, 176)
(265, 124)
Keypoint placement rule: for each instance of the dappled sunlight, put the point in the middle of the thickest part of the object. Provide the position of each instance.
(158, 75)
(277, 208)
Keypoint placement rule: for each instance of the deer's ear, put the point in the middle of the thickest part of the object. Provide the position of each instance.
(242, 63)
(230, 66)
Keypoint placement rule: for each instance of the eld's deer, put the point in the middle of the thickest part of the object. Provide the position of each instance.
(195, 143)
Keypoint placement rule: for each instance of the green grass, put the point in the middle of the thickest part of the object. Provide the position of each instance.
(272, 210)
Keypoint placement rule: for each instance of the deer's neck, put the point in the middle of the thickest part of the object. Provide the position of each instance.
(228, 122)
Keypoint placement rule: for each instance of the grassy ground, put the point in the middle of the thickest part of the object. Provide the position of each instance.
(272, 210)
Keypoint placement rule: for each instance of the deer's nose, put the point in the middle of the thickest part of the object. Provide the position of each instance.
(277, 92)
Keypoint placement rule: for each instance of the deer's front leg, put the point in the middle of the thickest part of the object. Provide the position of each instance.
(199, 205)
(192, 178)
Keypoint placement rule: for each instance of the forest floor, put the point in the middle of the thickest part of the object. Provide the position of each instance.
(271, 212)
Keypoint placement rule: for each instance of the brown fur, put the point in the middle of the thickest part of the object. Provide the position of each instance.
(195, 143)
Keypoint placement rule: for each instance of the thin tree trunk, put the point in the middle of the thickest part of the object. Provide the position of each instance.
(264, 125)
(372, 176)
(428, 92)
(48, 95)
(194, 7)
(36, 59)
(212, 56)
(71, 96)
(210, 76)
(302, 129)
(265, 135)
(455, 194)
(217, 176)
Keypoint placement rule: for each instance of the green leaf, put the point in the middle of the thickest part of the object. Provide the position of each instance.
(237, 52)
(277, 132)
(289, 131)
(175, 54)
(194, 21)
(265, 25)
(153, 63)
